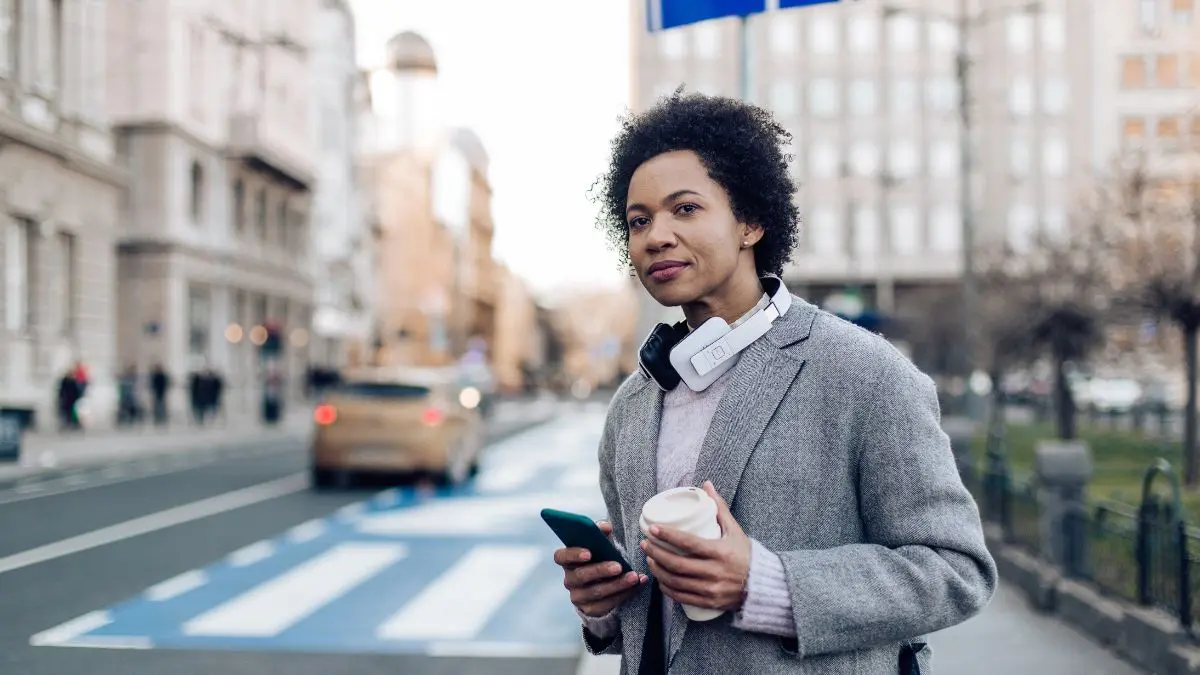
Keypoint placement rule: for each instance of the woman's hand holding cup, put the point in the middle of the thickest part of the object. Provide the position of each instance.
(596, 587)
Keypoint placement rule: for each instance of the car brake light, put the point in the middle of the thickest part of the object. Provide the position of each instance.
(325, 415)
(432, 417)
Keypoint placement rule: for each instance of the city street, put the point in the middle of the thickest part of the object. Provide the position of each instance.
(233, 565)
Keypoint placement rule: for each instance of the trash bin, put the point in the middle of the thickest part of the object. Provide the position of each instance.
(12, 428)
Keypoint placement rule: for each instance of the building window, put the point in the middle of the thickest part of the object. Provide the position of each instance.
(862, 96)
(1055, 96)
(823, 97)
(239, 205)
(1020, 96)
(781, 34)
(1022, 227)
(1181, 11)
(864, 158)
(196, 59)
(68, 276)
(1133, 131)
(1166, 70)
(1020, 33)
(864, 33)
(902, 33)
(942, 94)
(823, 159)
(1194, 71)
(199, 325)
(1148, 15)
(943, 36)
(945, 229)
(1019, 158)
(1196, 132)
(823, 34)
(905, 229)
(902, 158)
(18, 275)
(1054, 157)
(196, 205)
(260, 214)
(1054, 32)
(904, 95)
(672, 44)
(943, 159)
(1167, 131)
(783, 98)
(706, 40)
(866, 231)
(8, 37)
(48, 45)
(284, 223)
(1133, 72)
(825, 232)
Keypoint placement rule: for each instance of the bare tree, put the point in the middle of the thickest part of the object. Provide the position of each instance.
(1155, 237)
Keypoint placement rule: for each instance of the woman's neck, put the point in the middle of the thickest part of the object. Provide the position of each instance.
(731, 302)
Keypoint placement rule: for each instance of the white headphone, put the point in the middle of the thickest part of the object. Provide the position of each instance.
(671, 354)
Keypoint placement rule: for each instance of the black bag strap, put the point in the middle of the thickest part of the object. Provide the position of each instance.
(908, 658)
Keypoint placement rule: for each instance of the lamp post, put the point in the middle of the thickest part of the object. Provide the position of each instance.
(964, 22)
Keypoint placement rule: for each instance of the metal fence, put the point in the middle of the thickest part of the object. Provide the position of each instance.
(1145, 554)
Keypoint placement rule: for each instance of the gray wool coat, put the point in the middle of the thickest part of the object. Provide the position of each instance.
(827, 445)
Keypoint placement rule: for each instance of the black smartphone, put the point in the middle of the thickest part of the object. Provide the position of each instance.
(579, 531)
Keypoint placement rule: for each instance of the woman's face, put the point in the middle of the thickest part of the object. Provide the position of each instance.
(684, 241)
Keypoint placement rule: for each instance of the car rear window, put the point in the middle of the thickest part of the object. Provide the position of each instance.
(382, 390)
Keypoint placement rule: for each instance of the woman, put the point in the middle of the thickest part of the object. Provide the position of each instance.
(847, 532)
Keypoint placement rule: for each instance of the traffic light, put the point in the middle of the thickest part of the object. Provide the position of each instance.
(274, 342)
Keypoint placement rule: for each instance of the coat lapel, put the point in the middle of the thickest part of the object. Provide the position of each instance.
(761, 379)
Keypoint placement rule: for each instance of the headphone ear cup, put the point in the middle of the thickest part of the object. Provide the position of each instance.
(655, 354)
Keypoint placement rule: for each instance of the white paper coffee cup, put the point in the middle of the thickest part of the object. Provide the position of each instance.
(688, 509)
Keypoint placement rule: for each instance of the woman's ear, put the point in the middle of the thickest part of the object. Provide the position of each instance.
(751, 235)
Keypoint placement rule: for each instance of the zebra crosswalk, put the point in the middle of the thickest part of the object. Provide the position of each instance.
(464, 571)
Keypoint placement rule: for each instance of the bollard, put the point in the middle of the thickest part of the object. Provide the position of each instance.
(1063, 469)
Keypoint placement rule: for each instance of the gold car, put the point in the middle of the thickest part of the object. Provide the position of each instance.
(412, 421)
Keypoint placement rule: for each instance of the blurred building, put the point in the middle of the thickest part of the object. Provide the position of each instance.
(343, 245)
(596, 334)
(1148, 70)
(519, 349)
(870, 94)
(430, 193)
(211, 103)
(60, 191)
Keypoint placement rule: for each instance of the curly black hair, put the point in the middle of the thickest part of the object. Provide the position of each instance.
(740, 144)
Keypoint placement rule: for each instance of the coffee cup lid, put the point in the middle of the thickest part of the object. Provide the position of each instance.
(678, 505)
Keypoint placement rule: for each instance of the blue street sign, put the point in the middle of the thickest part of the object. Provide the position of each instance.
(664, 14)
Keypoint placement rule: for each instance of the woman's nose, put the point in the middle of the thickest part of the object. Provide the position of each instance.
(659, 236)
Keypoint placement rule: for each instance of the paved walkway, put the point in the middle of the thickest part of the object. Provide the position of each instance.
(1006, 638)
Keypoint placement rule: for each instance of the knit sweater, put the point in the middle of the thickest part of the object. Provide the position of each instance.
(686, 417)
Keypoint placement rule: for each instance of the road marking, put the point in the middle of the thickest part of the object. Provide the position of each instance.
(256, 552)
(273, 607)
(30, 488)
(75, 479)
(177, 586)
(458, 604)
(307, 531)
(388, 497)
(72, 629)
(507, 477)
(161, 520)
(352, 511)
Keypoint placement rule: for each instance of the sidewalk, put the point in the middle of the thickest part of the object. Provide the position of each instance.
(1007, 637)
(43, 452)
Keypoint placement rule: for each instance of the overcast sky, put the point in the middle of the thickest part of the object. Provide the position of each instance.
(542, 83)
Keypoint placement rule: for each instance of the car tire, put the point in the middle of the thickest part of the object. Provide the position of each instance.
(322, 479)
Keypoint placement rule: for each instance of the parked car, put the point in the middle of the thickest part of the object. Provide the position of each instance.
(397, 421)
(1118, 395)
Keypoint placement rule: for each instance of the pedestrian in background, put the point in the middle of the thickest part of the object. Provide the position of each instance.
(846, 532)
(160, 384)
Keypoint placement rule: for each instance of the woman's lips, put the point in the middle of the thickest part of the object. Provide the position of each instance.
(667, 272)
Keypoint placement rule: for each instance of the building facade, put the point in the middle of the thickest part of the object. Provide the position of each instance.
(342, 244)
(210, 102)
(60, 191)
(871, 94)
(431, 197)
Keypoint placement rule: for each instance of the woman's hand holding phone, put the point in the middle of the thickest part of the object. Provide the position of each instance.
(596, 587)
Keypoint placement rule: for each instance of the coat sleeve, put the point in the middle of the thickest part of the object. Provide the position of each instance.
(925, 565)
(608, 644)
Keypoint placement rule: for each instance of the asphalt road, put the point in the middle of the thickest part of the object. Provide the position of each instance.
(96, 545)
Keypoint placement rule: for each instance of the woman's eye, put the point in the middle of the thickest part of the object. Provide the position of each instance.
(687, 209)
(638, 222)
